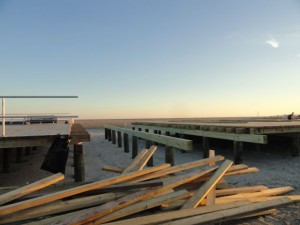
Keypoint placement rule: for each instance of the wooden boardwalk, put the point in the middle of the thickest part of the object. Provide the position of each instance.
(41, 134)
(20, 137)
(239, 132)
(48, 129)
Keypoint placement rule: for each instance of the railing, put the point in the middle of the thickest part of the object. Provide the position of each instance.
(4, 109)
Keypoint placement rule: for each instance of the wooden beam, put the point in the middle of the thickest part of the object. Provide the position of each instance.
(238, 152)
(126, 142)
(252, 138)
(178, 168)
(21, 142)
(60, 206)
(113, 169)
(178, 214)
(114, 136)
(232, 191)
(100, 211)
(144, 205)
(212, 193)
(229, 174)
(145, 159)
(12, 195)
(263, 193)
(170, 155)
(134, 146)
(119, 139)
(136, 160)
(79, 171)
(4, 210)
(162, 139)
(228, 214)
(194, 201)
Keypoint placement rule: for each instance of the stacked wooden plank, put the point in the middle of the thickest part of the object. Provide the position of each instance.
(143, 195)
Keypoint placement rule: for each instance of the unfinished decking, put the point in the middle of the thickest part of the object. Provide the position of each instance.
(239, 132)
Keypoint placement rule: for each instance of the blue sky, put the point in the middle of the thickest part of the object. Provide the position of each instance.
(154, 58)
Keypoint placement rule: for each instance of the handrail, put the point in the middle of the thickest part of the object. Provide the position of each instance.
(28, 96)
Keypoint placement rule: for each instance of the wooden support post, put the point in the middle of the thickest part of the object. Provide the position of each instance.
(28, 151)
(238, 152)
(295, 146)
(182, 137)
(119, 139)
(257, 148)
(19, 152)
(6, 160)
(155, 132)
(126, 142)
(205, 147)
(113, 133)
(109, 134)
(79, 172)
(139, 129)
(169, 155)
(106, 133)
(134, 146)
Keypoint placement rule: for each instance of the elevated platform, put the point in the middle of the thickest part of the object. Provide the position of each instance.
(257, 132)
(41, 134)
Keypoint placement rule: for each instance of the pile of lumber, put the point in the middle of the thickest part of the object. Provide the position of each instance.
(191, 193)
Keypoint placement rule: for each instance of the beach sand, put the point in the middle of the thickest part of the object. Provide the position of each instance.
(277, 168)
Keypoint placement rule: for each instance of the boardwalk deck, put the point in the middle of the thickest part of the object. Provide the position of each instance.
(239, 132)
(41, 134)
(27, 136)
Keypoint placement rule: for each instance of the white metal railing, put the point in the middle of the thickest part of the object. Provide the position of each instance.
(4, 109)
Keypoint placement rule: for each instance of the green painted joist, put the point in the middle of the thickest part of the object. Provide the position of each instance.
(162, 139)
(252, 138)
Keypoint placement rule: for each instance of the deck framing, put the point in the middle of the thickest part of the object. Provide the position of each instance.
(252, 138)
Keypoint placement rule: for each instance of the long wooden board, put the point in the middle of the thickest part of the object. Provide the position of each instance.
(229, 214)
(178, 214)
(251, 138)
(12, 195)
(60, 206)
(194, 201)
(103, 210)
(136, 160)
(144, 205)
(162, 139)
(178, 168)
(4, 210)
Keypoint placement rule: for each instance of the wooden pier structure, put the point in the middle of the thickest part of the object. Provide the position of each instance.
(20, 137)
(240, 132)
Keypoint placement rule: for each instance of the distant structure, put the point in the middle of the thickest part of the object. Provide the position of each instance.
(290, 116)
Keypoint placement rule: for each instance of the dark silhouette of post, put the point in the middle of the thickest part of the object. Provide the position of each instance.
(79, 171)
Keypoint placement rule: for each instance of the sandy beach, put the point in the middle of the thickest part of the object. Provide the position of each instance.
(277, 169)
